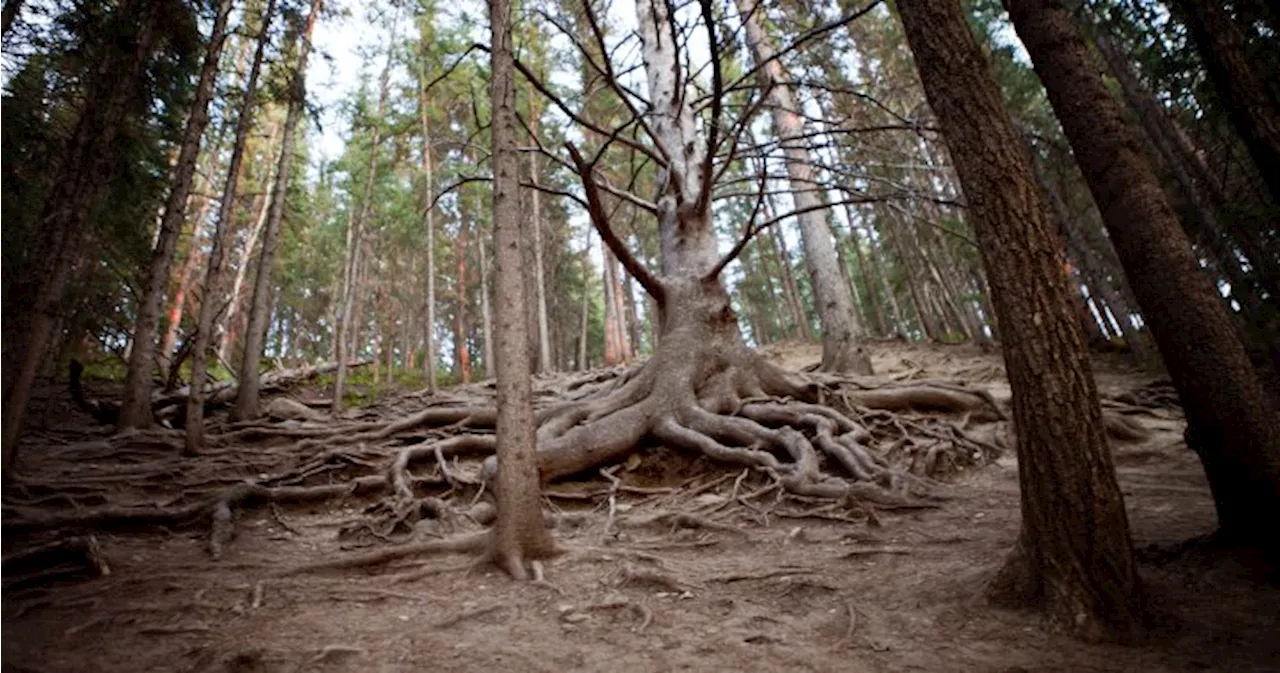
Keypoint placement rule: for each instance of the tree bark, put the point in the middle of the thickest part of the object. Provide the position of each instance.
(246, 405)
(1231, 422)
(842, 348)
(1249, 100)
(213, 273)
(519, 535)
(1073, 552)
(115, 86)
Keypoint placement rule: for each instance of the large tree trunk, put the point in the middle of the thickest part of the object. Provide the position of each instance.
(135, 410)
(1073, 552)
(246, 405)
(519, 535)
(355, 242)
(1250, 100)
(115, 88)
(841, 336)
(1231, 422)
(209, 303)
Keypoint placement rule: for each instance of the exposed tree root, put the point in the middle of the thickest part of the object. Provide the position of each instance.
(854, 442)
(474, 542)
(64, 559)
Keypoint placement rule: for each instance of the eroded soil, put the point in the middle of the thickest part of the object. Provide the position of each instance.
(785, 586)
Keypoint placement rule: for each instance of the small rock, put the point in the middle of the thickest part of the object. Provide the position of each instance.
(565, 607)
(575, 617)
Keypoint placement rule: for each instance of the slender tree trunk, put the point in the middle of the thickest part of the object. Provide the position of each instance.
(875, 304)
(429, 361)
(1087, 260)
(519, 535)
(586, 307)
(186, 277)
(1074, 551)
(799, 317)
(842, 348)
(246, 405)
(355, 239)
(486, 311)
(209, 303)
(114, 88)
(1249, 100)
(135, 410)
(617, 350)
(1200, 190)
(461, 352)
(228, 342)
(1231, 422)
(544, 346)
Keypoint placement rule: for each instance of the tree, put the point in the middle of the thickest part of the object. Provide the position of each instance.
(1073, 553)
(209, 303)
(349, 328)
(115, 98)
(429, 360)
(246, 405)
(1231, 423)
(135, 410)
(841, 338)
(519, 535)
(1251, 101)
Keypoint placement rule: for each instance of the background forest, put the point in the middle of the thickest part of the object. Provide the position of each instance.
(411, 181)
(210, 202)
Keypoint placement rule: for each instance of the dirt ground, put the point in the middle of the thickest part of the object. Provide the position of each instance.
(791, 587)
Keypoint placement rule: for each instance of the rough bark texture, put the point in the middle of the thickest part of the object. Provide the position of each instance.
(135, 412)
(1230, 420)
(114, 90)
(1073, 552)
(209, 303)
(519, 535)
(1250, 102)
(246, 405)
(842, 350)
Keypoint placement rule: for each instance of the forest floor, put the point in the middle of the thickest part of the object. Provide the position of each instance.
(792, 586)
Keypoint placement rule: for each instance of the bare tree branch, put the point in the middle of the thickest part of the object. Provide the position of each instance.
(595, 208)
